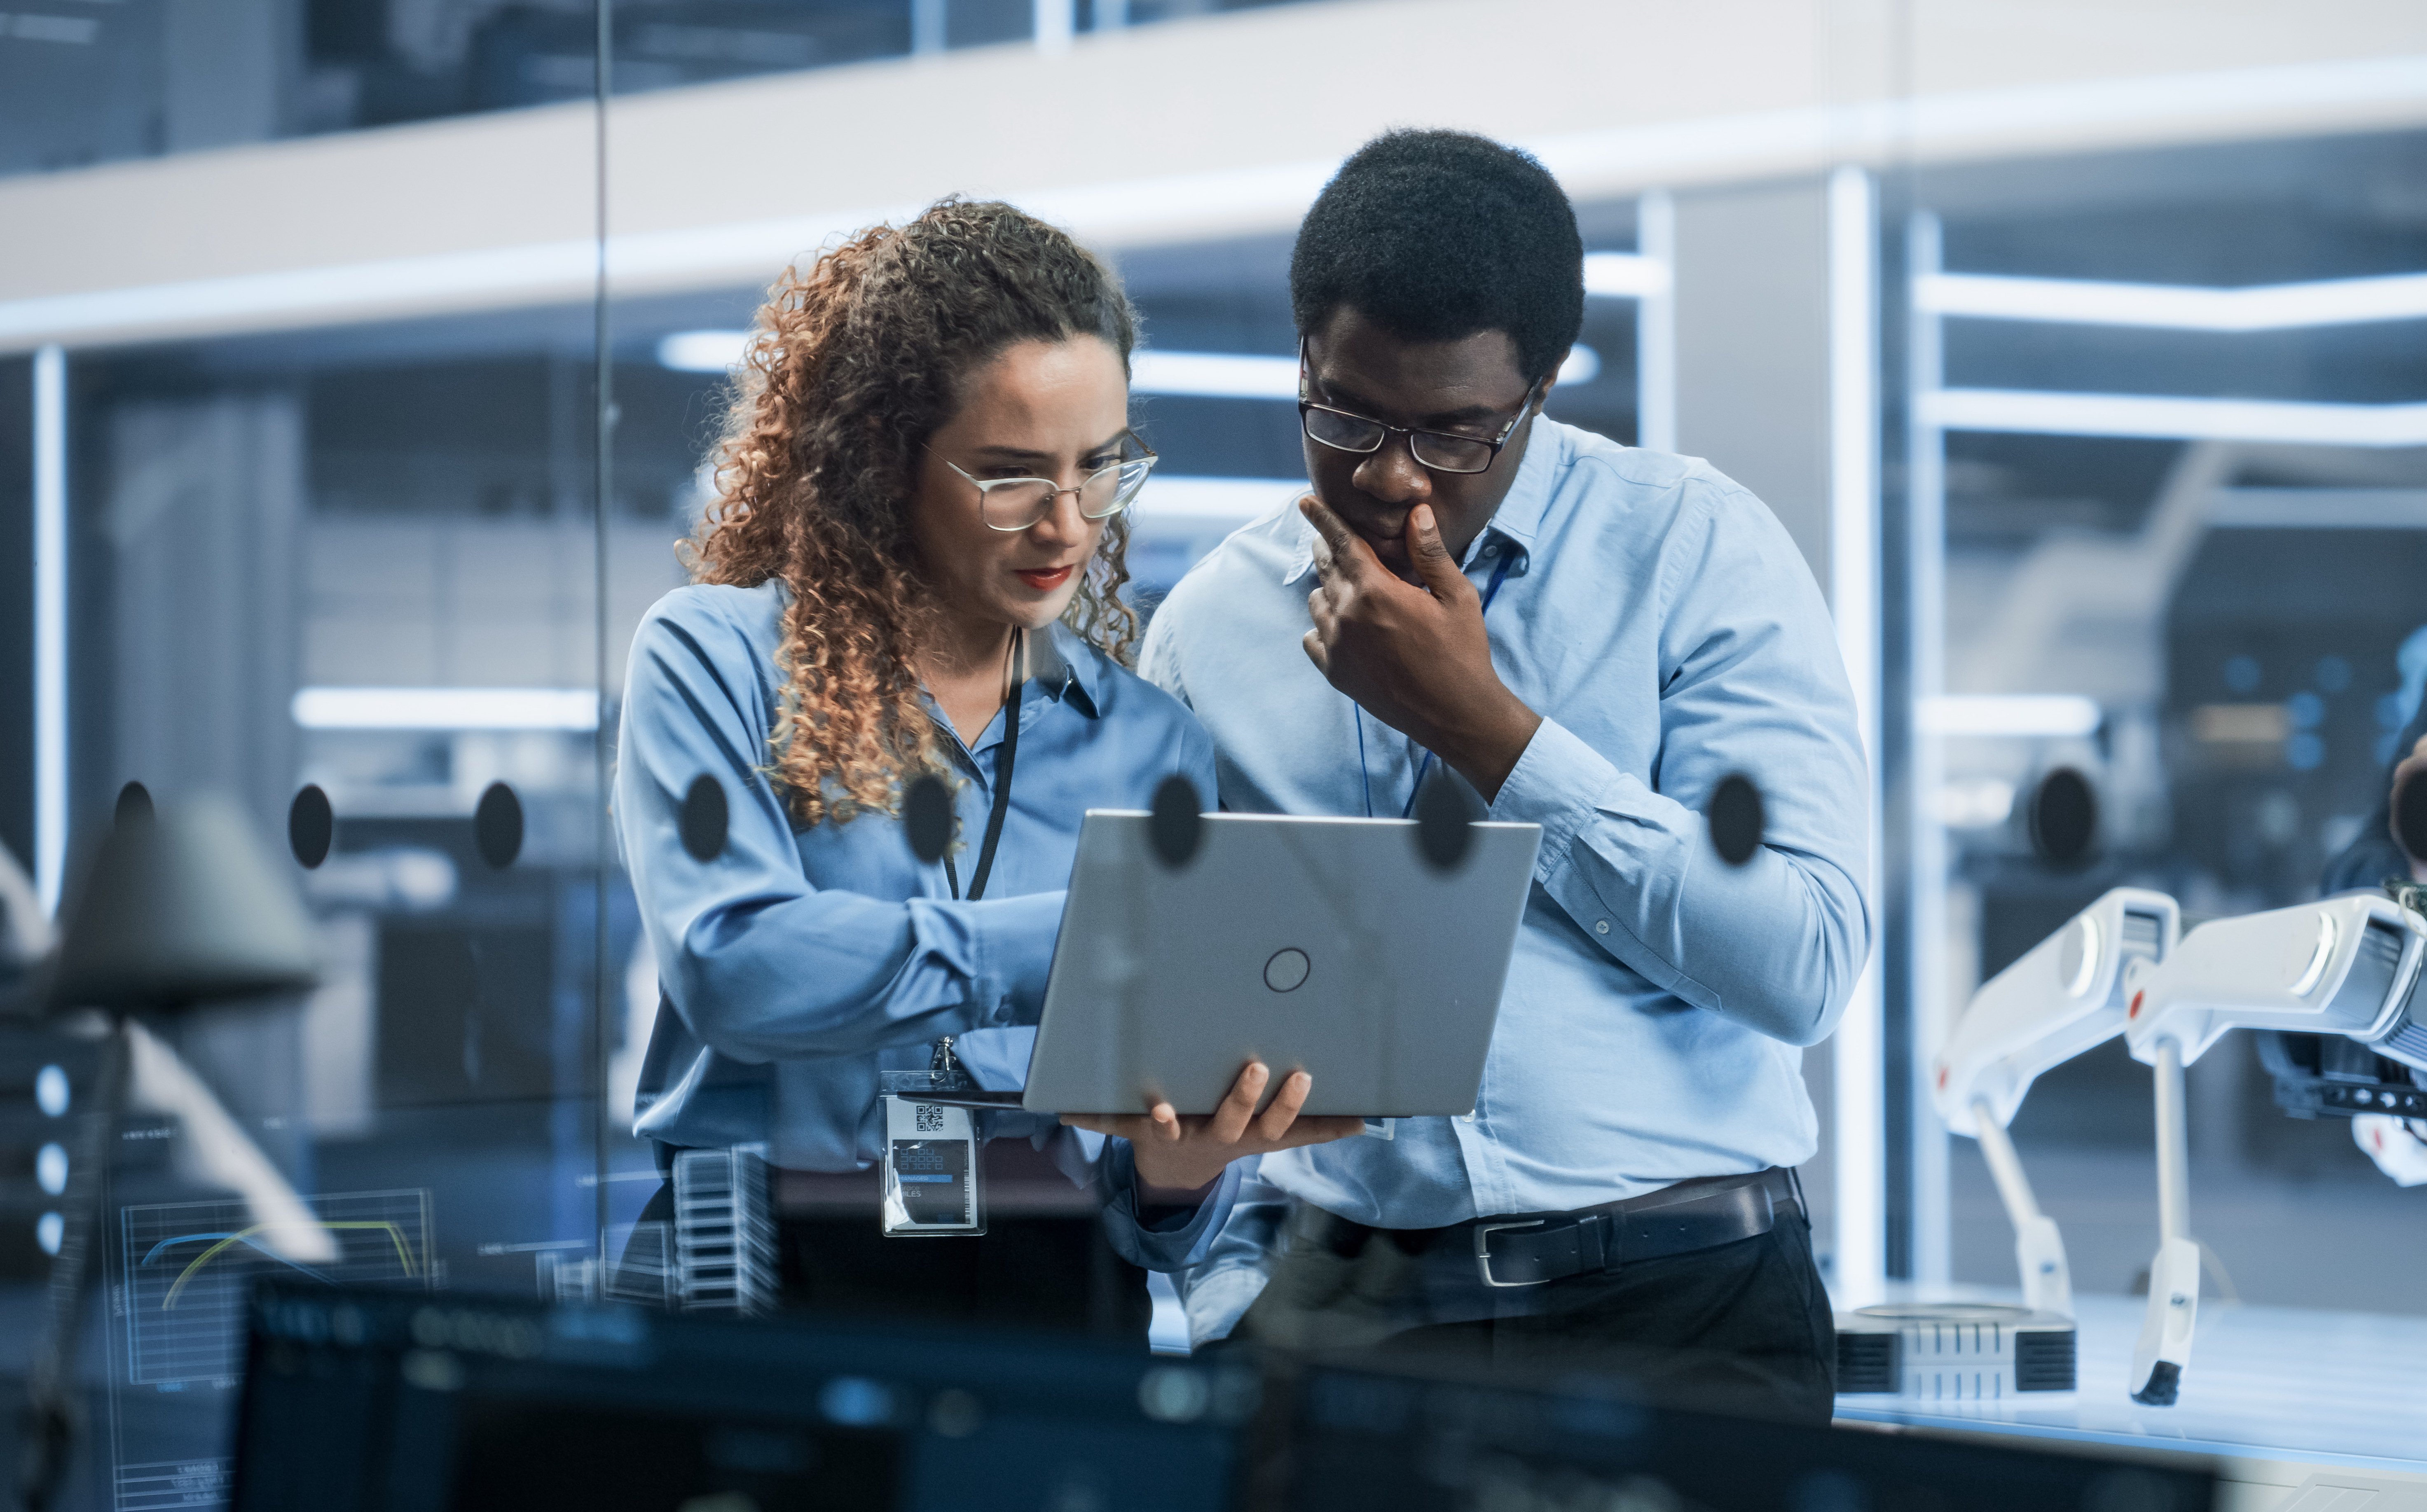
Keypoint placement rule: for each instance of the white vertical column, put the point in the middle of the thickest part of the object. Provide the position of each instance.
(1655, 325)
(50, 623)
(1925, 631)
(927, 25)
(1859, 1134)
(1057, 22)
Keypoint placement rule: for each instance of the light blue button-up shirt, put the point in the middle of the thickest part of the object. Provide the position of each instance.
(1665, 627)
(796, 964)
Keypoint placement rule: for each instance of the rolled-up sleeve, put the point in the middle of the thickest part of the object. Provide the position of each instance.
(1180, 1237)
(1751, 685)
(759, 963)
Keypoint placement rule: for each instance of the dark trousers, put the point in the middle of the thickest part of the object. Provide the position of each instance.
(1742, 1328)
(1032, 1271)
(1051, 1270)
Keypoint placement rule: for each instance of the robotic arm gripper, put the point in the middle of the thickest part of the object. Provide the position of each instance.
(2346, 966)
(2062, 998)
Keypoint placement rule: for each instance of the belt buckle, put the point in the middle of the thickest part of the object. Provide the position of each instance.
(1483, 1233)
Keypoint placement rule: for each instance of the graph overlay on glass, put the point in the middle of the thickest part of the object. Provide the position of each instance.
(189, 1266)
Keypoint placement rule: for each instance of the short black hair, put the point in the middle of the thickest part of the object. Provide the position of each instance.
(1437, 234)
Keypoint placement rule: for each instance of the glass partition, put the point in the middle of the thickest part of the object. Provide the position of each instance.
(352, 586)
(345, 579)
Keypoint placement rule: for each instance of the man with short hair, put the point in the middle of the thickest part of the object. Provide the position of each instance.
(1590, 638)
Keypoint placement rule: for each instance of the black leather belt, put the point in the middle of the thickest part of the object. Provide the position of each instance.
(1514, 1250)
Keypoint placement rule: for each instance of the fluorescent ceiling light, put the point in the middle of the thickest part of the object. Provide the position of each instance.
(1625, 275)
(1975, 805)
(1233, 500)
(2009, 714)
(1213, 375)
(2317, 509)
(1223, 375)
(2241, 724)
(446, 708)
(702, 351)
(2174, 306)
(2033, 412)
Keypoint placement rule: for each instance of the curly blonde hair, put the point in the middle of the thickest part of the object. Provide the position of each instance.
(852, 365)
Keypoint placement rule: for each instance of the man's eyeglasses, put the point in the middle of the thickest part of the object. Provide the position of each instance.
(1442, 452)
(1014, 504)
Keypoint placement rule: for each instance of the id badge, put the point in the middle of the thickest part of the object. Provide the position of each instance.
(934, 1180)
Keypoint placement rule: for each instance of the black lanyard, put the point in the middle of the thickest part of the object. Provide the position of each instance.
(942, 1058)
(1001, 784)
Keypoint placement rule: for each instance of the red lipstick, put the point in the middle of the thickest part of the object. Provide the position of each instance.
(1045, 579)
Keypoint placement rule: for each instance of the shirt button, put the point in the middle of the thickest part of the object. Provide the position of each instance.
(1491, 551)
(1601, 926)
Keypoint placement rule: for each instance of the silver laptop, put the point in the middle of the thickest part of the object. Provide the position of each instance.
(1327, 943)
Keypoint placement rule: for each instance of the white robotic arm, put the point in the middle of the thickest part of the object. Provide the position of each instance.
(2062, 998)
(2346, 966)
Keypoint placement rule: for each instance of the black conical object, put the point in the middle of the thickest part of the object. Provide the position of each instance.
(1177, 823)
(1736, 819)
(188, 909)
(1443, 813)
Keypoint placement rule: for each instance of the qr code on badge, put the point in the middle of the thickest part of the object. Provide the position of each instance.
(931, 1119)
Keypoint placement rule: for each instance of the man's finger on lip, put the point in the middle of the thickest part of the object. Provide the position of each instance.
(1331, 528)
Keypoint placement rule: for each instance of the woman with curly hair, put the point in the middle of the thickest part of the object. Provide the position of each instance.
(913, 567)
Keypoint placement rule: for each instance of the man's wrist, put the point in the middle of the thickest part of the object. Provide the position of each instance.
(1152, 1196)
(1485, 757)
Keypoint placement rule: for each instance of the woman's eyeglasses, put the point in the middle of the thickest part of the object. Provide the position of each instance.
(1443, 451)
(1014, 504)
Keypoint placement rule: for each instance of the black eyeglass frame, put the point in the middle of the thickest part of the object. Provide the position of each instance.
(1304, 404)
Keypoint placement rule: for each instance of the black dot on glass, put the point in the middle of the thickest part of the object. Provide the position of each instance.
(1736, 819)
(311, 826)
(1443, 821)
(497, 826)
(704, 818)
(2410, 816)
(2064, 818)
(927, 818)
(134, 804)
(1176, 825)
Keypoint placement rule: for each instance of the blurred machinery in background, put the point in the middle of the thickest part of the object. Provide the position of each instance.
(2347, 967)
(2064, 998)
(2345, 971)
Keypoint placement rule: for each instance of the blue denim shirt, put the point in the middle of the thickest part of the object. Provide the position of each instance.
(799, 963)
(1665, 627)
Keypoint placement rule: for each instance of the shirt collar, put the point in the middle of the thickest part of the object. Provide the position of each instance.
(1061, 663)
(1517, 520)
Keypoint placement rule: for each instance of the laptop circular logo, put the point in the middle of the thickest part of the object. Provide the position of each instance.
(1287, 970)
